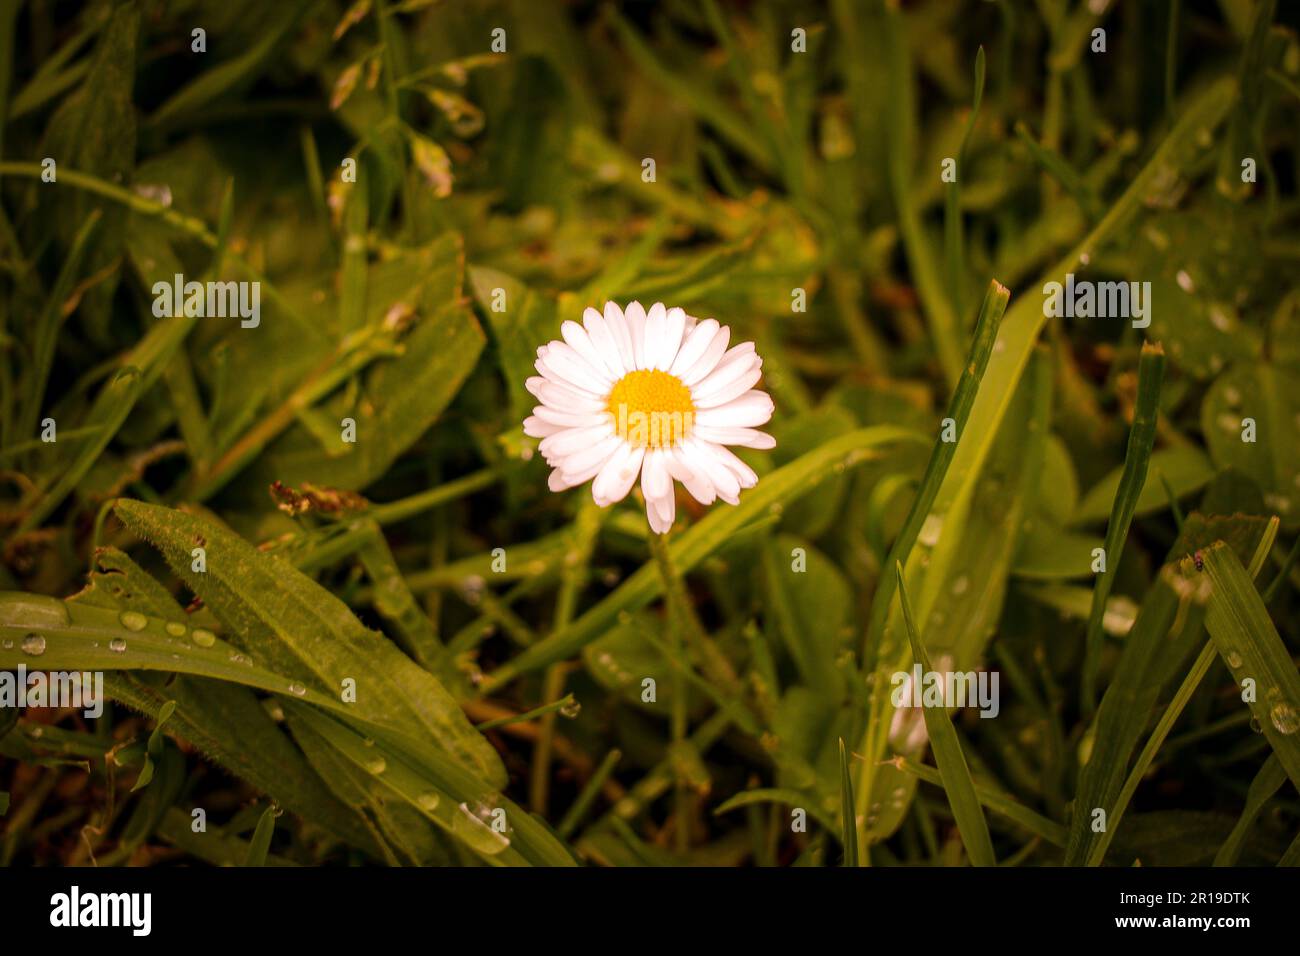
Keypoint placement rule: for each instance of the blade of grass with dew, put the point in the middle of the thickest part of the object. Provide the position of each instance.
(1142, 436)
(231, 727)
(959, 583)
(283, 617)
(941, 457)
(423, 776)
(1249, 644)
(72, 636)
(397, 833)
(957, 783)
(1119, 723)
(1023, 321)
(781, 486)
(1200, 667)
(882, 639)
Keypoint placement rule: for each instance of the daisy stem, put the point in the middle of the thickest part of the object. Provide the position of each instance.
(574, 573)
(680, 617)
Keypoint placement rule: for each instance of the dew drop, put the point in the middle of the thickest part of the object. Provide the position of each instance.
(428, 801)
(571, 709)
(34, 645)
(203, 638)
(297, 690)
(117, 645)
(376, 765)
(930, 530)
(175, 628)
(1285, 718)
(1234, 659)
(133, 620)
(472, 826)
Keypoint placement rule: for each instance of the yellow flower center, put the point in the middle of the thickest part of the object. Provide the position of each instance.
(651, 408)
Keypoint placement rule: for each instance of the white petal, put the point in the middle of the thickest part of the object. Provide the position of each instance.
(534, 427)
(655, 480)
(615, 480)
(697, 483)
(696, 342)
(634, 315)
(601, 337)
(598, 453)
(564, 397)
(702, 460)
(573, 440)
(654, 335)
(617, 326)
(744, 437)
(578, 419)
(555, 378)
(727, 383)
(750, 409)
(744, 474)
(574, 478)
(709, 360)
(674, 329)
(660, 512)
(581, 343)
(564, 360)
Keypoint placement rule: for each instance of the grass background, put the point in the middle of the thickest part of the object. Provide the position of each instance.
(498, 635)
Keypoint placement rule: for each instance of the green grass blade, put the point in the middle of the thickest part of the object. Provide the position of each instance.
(260, 845)
(941, 456)
(952, 221)
(1040, 826)
(49, 322)
(1249, 644)
(285, 619)
(1267, 782)
(848, 815)
(1151, 373)
(953, 770)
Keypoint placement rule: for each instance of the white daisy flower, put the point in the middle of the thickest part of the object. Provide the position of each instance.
(651, 392)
